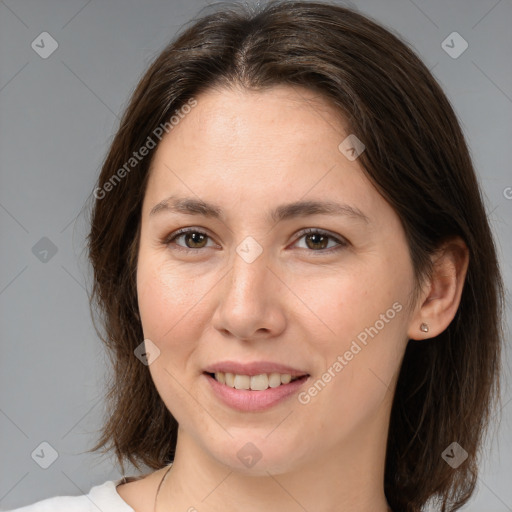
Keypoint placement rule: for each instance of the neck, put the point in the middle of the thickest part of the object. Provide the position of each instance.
(349, 478)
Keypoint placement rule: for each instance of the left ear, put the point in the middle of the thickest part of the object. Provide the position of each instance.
(441, 297)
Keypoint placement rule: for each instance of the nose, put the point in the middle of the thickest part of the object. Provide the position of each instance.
(250, 301)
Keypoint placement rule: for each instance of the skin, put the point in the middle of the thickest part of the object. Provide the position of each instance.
(298, 304)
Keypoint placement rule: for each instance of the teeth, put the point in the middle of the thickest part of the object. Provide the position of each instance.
(254, 382)
(274, 380)
(259, 382)
(242, 382)
(286, 378)
(229, 380)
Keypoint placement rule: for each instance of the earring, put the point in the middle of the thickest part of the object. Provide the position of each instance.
(424, 327)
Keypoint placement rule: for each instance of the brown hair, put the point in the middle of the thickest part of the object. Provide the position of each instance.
(415, 155)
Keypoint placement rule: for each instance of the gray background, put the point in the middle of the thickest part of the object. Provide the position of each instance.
(57, 118)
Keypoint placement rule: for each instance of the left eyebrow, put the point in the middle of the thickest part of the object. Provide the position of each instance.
(192, 206)
(305, 208)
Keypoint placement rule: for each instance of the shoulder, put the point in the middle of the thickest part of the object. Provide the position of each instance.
(102, 497)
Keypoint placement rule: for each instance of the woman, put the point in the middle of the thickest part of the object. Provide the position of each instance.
(296, 275)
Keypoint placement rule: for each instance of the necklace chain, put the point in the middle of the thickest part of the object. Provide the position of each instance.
(160, 485)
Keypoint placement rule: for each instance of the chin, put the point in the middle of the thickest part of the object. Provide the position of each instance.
(256, 456)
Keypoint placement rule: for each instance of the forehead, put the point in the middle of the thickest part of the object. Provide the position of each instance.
(251, 147)
(231, 117)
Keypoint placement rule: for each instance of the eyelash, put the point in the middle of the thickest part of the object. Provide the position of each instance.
(173, 236)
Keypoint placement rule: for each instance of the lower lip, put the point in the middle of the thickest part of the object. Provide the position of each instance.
(253, 401)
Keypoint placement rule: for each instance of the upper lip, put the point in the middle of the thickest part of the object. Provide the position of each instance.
(253, 368)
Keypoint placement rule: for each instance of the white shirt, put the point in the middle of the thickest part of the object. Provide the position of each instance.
(102, 497)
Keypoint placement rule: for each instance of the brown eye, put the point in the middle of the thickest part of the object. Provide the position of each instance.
(193, 239)
(318, 241)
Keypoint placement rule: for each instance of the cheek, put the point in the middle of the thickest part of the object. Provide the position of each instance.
(168, 298)
(364, 318)
(168, 305)
(341, 304)
(355, 384)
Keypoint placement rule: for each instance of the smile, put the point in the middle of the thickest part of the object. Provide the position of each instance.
(246, 399)
(259, 382)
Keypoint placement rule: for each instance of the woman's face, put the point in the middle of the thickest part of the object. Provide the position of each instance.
(247, 286)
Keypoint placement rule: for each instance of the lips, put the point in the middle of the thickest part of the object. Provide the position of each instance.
(254, 368)
(255, 386)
